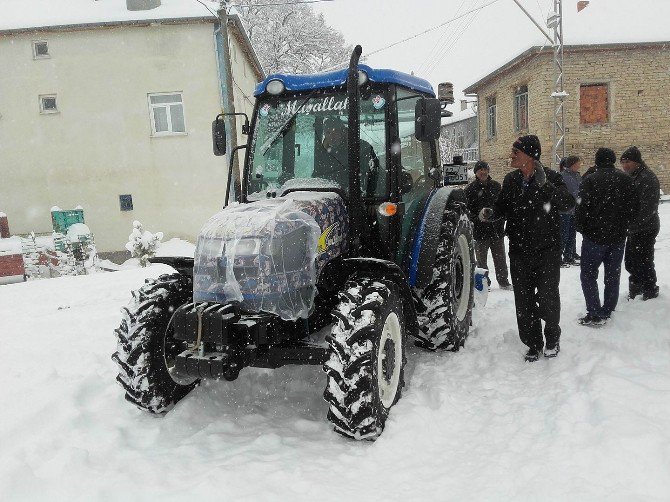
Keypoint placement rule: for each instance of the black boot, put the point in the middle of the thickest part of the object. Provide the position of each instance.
(532, 355)
(648, 294)
(633, 290)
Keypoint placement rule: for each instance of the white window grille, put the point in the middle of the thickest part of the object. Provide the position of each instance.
(521, 108)
(167, 114)
(40, 49)
(491, 117)
(48, 104)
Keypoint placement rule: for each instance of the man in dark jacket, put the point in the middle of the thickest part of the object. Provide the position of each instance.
(644, 229)
(608, 204)
(530, 201)
(481, 193)
(570, 174)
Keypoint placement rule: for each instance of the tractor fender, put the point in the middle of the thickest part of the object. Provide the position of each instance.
(384, 269)
(181, 264)
(427, 237)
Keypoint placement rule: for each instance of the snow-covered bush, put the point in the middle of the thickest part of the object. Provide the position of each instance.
(143, 244)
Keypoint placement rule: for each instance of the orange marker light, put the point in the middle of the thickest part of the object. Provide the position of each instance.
(388, 209)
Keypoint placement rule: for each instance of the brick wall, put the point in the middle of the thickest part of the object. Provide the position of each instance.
(638, 82)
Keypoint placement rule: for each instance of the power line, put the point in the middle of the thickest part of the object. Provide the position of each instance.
(431, 67)
(285, 3)
(205, 6)
(368, 54)
(441, 42)
(431, 29)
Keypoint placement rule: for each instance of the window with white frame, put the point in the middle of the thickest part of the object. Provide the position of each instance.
(40, 49)
(167, 113)
(521, 108)
(48, 103)
(491, 117)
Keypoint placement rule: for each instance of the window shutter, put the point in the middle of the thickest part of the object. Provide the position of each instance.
(593, 104)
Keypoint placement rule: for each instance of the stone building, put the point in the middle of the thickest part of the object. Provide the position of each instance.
(110, 108)
(618, 96)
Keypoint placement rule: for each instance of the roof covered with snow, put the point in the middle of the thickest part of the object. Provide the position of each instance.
(33, 15)
(459, 116)
(19, 15)
(567, 48)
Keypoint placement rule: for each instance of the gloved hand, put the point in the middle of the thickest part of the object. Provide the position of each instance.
(485, 214)
(540, 175)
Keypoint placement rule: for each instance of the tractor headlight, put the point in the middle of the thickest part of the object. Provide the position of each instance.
(247, 247)
(362, 77)
(275, 87)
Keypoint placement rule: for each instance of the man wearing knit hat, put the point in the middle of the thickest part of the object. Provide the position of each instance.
(530, 201)
(481, 193)
(639, 258)
(608, 204)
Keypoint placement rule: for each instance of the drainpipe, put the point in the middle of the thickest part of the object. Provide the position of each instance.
(224, 68)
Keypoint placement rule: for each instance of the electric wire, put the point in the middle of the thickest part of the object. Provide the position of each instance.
(285, 3)
(446, 50)
(431, 29)
(441, 41)
(416, 35)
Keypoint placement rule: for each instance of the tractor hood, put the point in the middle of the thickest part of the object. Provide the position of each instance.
(267, 255)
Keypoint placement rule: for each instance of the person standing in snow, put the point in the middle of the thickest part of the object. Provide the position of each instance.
(530, 201)
(481, 193)
(639, 258)
(608, 204)
(572, 179)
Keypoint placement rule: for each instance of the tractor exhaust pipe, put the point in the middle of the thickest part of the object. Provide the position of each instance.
(355, 202)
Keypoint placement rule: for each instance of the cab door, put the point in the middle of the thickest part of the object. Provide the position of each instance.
(415, 161)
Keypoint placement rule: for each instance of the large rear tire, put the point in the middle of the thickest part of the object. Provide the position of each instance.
(146, 348)
(365, 371)
(448, 299)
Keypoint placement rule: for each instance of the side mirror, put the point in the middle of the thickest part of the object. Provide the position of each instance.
(219, 136)
(427, 115)
(406, 182)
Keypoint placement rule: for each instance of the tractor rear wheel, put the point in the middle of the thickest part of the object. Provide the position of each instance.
(146, 348)
(365, 371)
(448, 299)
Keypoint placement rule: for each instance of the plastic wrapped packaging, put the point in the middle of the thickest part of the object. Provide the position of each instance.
(262, 255)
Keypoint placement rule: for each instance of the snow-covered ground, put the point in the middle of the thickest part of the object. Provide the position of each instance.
(479, 424)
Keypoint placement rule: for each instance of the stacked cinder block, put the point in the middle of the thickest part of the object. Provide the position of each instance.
(11, 259)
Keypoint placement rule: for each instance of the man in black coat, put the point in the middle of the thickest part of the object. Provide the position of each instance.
(530, 201)
(481, 193)
(644, 229)
(608, 204)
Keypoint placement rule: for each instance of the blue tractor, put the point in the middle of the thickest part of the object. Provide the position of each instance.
(343, 246)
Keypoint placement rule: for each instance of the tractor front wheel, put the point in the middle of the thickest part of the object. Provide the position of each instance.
(146, 348)
(366, 367)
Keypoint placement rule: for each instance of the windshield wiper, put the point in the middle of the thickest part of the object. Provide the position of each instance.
(285, 126)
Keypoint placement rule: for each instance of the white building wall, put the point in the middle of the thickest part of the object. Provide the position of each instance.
(99, 145)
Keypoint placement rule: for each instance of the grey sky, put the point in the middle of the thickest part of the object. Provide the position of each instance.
(467, 49)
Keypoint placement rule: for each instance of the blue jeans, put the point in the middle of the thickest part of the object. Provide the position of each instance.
(568, 237)
(592, 256)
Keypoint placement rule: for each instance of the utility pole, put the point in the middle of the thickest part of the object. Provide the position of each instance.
(226, 83)
(555, 22)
